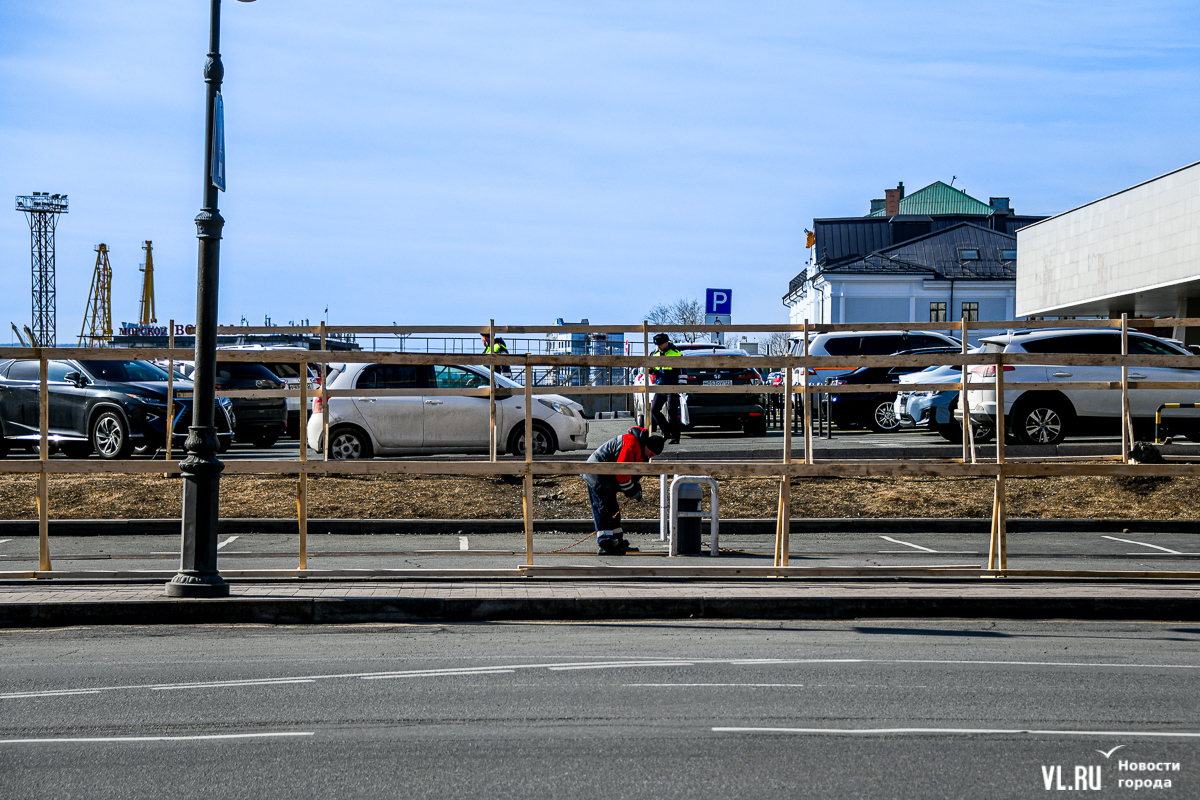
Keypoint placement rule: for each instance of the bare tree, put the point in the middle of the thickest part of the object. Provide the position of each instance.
(776, 344)
(681, 312)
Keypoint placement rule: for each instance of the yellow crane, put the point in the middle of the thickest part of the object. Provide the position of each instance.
(146, 315)
(97, 317)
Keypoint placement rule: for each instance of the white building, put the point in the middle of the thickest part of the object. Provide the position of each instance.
(937, 255)
(1136, 251)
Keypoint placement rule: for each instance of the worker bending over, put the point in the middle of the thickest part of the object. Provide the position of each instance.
(666, 376)
(635, 447)
(497, 349)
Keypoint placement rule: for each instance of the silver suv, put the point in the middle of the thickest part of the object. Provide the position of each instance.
(1047, 417)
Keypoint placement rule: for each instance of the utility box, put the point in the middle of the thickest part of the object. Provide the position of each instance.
(688, 532)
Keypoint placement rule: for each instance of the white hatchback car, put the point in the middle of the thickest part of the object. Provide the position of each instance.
(1047, 417)
(363, 427)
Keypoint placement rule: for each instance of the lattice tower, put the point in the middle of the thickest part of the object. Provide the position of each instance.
(97, 317)
(42, 210)
(146, 314)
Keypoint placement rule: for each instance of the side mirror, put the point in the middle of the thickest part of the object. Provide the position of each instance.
(75, 378)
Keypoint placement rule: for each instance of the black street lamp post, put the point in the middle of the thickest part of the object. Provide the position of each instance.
(198, 575)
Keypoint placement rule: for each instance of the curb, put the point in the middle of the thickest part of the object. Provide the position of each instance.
(729, 527)
(340, 611)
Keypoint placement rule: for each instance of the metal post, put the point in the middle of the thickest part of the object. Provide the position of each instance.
(198, 575)
(662, 507)
(492, 395)
(1126, 424)
(527, 494)
(43, 483)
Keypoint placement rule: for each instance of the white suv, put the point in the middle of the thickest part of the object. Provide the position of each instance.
(362, 427)
(864, 343)
(1047, 417)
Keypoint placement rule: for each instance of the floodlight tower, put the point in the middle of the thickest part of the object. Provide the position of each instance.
(42, 210)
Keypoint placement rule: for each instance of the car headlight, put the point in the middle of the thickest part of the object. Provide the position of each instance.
(559, 407)
(141, 398)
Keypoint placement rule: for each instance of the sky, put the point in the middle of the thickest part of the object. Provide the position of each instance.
(456, 161)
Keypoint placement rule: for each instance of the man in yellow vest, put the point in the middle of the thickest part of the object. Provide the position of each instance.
(497, 349)
(666, 376)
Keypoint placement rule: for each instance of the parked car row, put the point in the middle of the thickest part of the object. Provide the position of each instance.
(743, 411)
(107, 407)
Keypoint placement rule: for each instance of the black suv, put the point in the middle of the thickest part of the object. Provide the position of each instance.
(110, 407)
(724, 411)
(259, 420)
(874, 410)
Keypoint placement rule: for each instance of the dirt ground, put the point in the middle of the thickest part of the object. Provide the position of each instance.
(440, 497)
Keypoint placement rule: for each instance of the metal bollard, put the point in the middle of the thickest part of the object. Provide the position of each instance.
(714, 517)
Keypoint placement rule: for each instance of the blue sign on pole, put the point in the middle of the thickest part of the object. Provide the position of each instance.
(718, 301)
(218, 153)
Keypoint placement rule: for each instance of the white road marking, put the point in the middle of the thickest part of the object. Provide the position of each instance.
(583, 665)
(908, 544)
(624, 664)
(434, 673)
(779, 685)
(226, 684)
(2, 541)
(955, 731)
(462, 543)
(1142, 544)
(160, 738)
(227, 541)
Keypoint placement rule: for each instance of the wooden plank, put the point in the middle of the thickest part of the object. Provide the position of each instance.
(302, 517)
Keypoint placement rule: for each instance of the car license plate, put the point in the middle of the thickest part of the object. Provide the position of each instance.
(718, 383)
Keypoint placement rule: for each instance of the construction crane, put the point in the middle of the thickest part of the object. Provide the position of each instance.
(146, 315)
(97, 317)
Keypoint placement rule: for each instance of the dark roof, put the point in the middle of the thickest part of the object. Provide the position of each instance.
(938, 255)
(844, 239)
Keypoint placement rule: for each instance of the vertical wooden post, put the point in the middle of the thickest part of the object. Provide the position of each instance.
(1126, 423)
(492, 395)
(779, 528)
(324, 398)
(43, 484)
(527, 495)
(1001, 522)
(809, 455)
(785, 488)
(993, 538)
(302, 479)
(964, 405)
(170, 391)
(649, 419)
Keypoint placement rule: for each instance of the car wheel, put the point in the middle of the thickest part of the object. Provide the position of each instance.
(346, 444)
(224, 443)
(951, 431)
(1040, 420)
(110, 437)
(543, 440)
(4, 447)
(76, 449)
(755, 426)
(267, 439)
(883, 417)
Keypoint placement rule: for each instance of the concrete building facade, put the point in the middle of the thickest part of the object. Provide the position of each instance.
(1136, 251)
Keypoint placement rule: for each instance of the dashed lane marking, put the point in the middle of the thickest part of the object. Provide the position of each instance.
(198, 737)
(227, 541)
(908, 544)
(462, 543)
(954, 732)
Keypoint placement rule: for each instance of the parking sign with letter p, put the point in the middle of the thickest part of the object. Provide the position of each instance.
(718, 301)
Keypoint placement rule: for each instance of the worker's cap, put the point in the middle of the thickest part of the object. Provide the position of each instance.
(655, 444)
(661, 338)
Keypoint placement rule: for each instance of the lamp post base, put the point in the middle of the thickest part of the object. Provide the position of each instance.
(183, 585)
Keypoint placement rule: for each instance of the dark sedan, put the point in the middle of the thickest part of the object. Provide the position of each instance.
(110, 407)
(874, 410)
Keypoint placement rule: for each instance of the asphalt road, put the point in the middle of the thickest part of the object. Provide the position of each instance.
(892, 709)
(470, 550)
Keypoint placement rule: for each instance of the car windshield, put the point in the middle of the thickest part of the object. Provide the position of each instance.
(124, 371)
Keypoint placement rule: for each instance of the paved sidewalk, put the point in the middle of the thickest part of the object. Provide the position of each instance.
(330, 602)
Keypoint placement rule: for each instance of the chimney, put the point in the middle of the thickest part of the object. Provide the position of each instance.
(877, 205)
(891, 201)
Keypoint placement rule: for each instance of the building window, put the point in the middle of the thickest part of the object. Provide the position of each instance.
(937, 312)
(970, 312)
(969, 254)
(1008, 255)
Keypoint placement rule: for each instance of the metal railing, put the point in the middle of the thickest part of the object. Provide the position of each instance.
(783, 469)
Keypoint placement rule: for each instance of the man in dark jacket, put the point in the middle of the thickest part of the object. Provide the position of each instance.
(636, 446)
(665, 376)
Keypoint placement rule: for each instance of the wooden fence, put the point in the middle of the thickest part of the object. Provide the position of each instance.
(785, 468)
